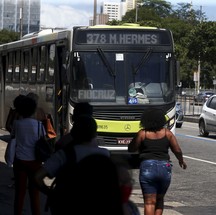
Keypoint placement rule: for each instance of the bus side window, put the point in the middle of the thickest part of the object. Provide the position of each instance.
(51, 63)
(42, 64)
(10, 68)
(34, 65)
(16, 74)
(25, 70)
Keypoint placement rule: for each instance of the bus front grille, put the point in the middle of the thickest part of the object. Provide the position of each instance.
(118, 115)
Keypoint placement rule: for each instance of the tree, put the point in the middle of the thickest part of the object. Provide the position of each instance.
(8, 36)
(160, 7)
(202, 42)
(187, 13)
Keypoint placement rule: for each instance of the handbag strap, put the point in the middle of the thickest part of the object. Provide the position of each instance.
(40, 128)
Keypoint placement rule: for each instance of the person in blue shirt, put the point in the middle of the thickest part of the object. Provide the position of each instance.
(26, 133)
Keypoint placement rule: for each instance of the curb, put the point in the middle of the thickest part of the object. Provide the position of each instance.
(194, 119)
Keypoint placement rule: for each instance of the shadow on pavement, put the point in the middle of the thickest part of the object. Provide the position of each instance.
(7, 188)
(6, 192)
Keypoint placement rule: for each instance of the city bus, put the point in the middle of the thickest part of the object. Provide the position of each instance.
(120, 70)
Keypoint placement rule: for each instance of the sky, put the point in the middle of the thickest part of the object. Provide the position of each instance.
(69, 13)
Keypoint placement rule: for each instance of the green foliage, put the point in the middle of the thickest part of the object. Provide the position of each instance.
(114, 22)
(8, 36)
(194, 36)
(160, 8)
(202, 42)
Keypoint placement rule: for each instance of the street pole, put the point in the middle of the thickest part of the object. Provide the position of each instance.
(136, 16)
(198, 75)
(199, 62)
(21, 21)
(95, 12)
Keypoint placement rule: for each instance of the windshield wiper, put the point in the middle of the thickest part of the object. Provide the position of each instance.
(143, 60)
(106, 62)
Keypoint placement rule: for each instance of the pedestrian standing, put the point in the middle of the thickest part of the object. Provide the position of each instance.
(152, 143)
(12, 116)
(26, 133)
(82, 108)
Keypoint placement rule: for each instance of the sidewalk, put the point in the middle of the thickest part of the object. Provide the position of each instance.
(194, 119)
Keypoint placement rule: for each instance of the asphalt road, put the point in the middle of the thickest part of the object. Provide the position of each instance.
(192, 191)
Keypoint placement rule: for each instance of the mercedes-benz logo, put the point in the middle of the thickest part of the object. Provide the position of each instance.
(127, 127)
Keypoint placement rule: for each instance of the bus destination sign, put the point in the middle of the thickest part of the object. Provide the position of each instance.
(123, 37)
(148, 39)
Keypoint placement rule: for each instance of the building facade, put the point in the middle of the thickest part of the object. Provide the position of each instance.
(112, 9)
(20, 15)
(115, 10)
(130, 4)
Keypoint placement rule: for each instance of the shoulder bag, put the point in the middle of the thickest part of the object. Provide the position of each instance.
(43, 148)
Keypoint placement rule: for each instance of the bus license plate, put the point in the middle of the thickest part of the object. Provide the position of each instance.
(125, 141)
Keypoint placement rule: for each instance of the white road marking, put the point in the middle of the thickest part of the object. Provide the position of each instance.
(197, 159)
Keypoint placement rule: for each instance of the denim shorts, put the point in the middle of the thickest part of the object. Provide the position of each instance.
(155, 176)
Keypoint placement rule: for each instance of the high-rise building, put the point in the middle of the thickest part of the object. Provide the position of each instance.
(112, 11)
(20, 15)
(117, 10)
(130, 4)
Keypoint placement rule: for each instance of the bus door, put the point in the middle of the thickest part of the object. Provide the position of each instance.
(62, 88)
(2, 92)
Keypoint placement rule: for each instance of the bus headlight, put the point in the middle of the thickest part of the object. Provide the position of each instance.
(170, 123)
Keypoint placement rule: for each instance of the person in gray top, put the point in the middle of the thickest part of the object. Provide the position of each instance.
(84, 133)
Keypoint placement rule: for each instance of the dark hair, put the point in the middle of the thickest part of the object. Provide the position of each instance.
(82, 108)
(34, 96)
(17, 102)
(153, 119)
(103, 181)
(26, 107)
(84, 129)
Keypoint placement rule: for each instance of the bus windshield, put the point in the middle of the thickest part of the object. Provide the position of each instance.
(130, 78)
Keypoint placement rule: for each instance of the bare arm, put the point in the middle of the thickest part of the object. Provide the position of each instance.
(135, 143)
(176, 149)
(40, 175)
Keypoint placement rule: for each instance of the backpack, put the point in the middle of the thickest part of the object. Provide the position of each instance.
(62, 185)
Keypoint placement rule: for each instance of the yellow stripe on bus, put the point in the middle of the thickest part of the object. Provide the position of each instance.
(118, 126)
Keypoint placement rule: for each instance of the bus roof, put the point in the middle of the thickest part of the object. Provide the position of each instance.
(37, 37)
(125, 26)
